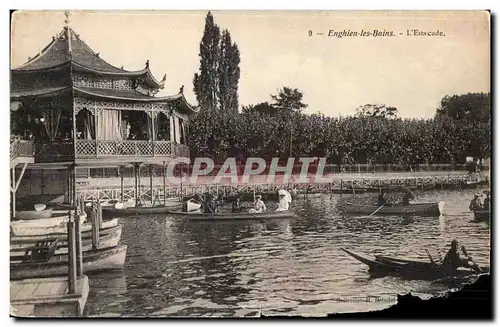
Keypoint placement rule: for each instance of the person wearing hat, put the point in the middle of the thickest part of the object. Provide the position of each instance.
(475, 204)
(259, 205)
(452, 260)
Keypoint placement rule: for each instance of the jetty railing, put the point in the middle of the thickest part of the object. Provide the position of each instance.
(357, 169)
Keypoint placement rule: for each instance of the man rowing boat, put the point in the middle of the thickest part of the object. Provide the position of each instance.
(452, 260)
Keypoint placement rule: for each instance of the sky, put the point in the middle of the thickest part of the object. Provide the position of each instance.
(336, 75)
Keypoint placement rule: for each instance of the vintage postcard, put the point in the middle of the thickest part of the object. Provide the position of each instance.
(246, 163)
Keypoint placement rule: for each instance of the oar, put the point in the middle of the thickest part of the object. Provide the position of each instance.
(377, 210)
(475, 265)
(430, 256)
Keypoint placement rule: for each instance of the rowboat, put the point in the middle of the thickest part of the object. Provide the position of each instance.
(108, 240)
(60, 229)
(417, 209)
(234, 216)
(33, 214)
(112, 212)
(107, 228)
(93, 261)
(482, 215)
(56, 219)
(409, 269)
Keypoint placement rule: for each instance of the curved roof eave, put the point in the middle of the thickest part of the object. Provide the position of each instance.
(43, 92)
(192, 109)
(123, 73)
(152, 99)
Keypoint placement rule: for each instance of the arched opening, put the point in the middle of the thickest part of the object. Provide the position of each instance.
(85, 125)
(162, 127)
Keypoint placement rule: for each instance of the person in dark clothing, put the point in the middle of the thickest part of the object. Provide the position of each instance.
(486, 203)
(210, 205)
(381, 199)
(452, 260)
(406, 199)
(237, 207)
(475, 204)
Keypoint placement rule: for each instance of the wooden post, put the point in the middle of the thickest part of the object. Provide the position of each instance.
(164, 186)
(13, 192)
(341, 186)
(95, 226)
(78, 243)
(121, 182)
(136, 168)
(71, 254)
(151, 182)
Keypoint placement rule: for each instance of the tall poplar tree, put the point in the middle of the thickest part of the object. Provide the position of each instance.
(229, 73)
(206, 82)
(216, 84)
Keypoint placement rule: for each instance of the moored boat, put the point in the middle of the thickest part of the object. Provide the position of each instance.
(234, 216)
(409, 269)
(57, 218)
(108, 227)
(112, 212)
(417, 209)
(33, 214)
(59, 229)
(482, 215)
(93, 261)
(109, 240)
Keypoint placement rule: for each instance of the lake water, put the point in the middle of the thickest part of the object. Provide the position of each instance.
(287, 267)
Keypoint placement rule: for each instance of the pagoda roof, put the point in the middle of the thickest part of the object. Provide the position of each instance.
(82, 58)
(131, 95)
(41, 92)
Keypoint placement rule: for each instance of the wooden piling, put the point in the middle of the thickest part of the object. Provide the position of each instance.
(78, 243)
(95, 227)
(121, 182)
(151, 182)
(164, 185)
(71, 254)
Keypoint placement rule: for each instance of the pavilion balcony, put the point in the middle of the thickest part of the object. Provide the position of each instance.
(134, 150)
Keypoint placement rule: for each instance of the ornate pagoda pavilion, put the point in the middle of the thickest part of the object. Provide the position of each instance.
(81, 111)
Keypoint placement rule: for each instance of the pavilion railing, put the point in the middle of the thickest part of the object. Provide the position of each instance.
(21, 148)
(132, 148)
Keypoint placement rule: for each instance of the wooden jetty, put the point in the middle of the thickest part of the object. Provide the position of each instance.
(48, 297)
(335, 184)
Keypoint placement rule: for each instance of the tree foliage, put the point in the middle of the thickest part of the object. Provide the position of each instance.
(288, 99)
(377, 110)
(470, 106)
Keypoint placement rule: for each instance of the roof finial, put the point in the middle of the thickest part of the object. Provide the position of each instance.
(121, 67)
(66, 21)
(147, 63)
(164, 77)
(182, 89)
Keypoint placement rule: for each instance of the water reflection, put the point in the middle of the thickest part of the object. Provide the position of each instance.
(180, 268)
